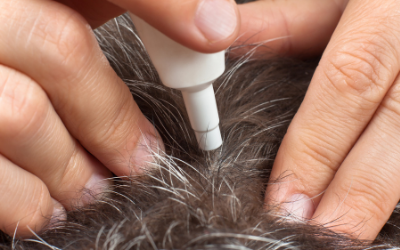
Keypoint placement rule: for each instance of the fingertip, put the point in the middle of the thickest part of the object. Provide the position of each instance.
(148, 147)
(59, 214)
(299, 207)
(96, 186)
(287, 193)
(218, 22)
(51, 215)
(207, 26)
(139, 150)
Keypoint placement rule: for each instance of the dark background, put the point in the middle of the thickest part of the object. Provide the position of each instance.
(245, 1)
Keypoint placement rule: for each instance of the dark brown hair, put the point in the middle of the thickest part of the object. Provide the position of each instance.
(191, 199)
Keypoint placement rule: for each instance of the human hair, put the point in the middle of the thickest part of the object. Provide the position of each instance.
(192, 199)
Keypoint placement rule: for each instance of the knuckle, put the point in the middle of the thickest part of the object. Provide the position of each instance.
(362, 70)
(24, 105)
(119, 131)
(118, 126)
(368, 197)
(391, 103)
(64, 35)
(73, 35)
(69, 176)
(313, 153)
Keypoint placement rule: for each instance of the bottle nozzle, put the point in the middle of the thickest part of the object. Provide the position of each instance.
(201, 107)
(191, 72)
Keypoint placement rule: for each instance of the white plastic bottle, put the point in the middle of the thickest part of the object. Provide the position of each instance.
(191, 72)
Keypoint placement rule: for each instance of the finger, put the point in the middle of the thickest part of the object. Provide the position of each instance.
(366, 188)
(203, 25)
(26, 203)
(33, 137)
(288, 27)
(92, 101)
(96, 12)
(355, 72)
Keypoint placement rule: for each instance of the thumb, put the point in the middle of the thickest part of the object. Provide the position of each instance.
(203, 25)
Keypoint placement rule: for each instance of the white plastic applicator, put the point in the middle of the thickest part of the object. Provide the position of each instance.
(191, 72)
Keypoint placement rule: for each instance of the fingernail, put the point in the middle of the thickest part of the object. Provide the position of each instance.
(299, 206)
(95, 187)
(146, 149)
(216, 19)
(58, 215)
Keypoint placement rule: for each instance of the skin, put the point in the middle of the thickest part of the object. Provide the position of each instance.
(339, 157)
(341, 149)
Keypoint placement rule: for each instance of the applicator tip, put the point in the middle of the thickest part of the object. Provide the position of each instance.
(209, 140)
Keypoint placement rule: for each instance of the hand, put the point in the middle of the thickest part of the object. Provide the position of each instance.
(339, 163)
(67, 121)
(60, 100)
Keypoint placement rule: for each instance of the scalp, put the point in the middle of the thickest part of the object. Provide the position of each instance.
(193, 199)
